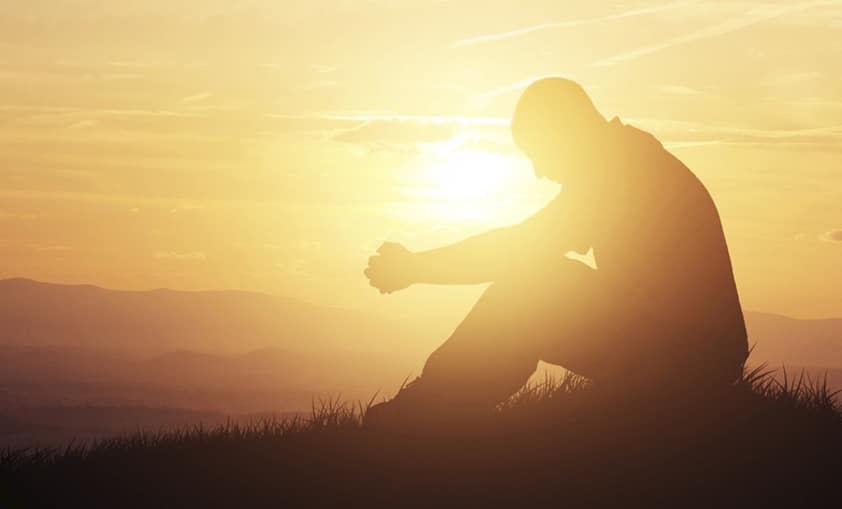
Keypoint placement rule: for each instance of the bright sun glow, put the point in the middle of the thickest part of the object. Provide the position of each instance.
(471, 175)
(471, 186)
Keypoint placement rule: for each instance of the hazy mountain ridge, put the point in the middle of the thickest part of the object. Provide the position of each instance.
(66, 347)
(87, 334)
(236, 353)
(158, 321)
(259, 381)
(781, 340)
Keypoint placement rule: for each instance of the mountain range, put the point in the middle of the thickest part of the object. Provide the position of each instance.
(157, 321)
(80, 350)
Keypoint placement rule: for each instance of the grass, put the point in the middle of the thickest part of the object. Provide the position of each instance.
(562, 443)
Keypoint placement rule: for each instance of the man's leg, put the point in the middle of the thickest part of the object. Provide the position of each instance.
(490, 355)
(515, 324)
(487, 358)
(496, 348)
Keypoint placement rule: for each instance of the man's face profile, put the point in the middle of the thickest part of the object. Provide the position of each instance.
(553, 150)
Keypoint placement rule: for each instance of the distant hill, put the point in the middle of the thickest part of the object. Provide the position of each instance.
(225, 322)
(262, 380)
(159, 322)
(780, 340)
(236, 353)
(34, 313)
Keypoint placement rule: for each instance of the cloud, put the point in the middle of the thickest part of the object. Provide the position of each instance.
(201, 96)
(392, 132)
(389, 130)
(480, 39)
(322, 69)
(679, 90)
(76, 118)
(56, 248)
(386, 115)
(321, 84)
(186, 256)
(83, 124)
(750, 18)
(18, 216)
(142, 113)
(691, 144)
(131, 65)
(493, 144)
(112, 76)
(688, 134)
(832, 236)
(511, 87)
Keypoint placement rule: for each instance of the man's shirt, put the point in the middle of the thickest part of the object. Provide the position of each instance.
(657, 240)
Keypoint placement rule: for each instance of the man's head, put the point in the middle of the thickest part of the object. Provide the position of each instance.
(557, 126)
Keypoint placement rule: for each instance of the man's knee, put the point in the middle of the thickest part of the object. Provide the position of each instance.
(480, 376)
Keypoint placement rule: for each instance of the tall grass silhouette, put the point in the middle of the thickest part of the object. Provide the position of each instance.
(766, 441)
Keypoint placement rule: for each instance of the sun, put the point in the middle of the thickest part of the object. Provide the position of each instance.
(472, 186)
(472, 175)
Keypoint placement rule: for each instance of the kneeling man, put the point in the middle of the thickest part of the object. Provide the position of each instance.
(660, 308)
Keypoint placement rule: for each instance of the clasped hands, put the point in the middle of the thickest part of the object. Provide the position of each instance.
(390, 269)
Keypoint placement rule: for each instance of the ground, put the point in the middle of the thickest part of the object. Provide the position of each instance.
(763, 443)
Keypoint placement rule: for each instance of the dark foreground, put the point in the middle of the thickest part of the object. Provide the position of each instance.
(762, 444)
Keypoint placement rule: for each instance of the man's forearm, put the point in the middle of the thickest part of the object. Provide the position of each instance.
(478, 259)
(505, 252)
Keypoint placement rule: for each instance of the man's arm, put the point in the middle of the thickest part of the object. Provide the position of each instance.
(478, 259)
(485, 257)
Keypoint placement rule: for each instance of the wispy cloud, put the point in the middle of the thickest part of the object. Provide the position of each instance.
(322, 69)
(511, 87)
(67, 110)
(186, 256)
(751, 17)
(693, 134)
(691, 144)
(368, 116)
(201, 96)
(131, 65)
(679, 90)
(396, 133)
(141, 113)
(17, 216)
(832, 236)
(53, 248)
(480, 39)
(98, 197)
(83, 124)
(16, 108)
(113, 76)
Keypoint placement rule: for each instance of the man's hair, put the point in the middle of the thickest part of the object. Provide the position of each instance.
(552, 102)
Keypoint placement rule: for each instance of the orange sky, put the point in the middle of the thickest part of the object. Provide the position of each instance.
(273, 145)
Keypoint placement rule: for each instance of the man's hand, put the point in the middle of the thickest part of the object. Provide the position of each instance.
(390, 269)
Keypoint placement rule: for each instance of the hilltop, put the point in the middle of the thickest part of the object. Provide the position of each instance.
(761, 444)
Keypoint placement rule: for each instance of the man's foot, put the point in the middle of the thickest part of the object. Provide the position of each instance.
(417, 410)
(397, 412)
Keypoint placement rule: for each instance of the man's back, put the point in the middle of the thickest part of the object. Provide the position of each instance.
(658, 240)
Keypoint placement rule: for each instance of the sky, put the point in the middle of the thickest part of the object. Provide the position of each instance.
(272, 145)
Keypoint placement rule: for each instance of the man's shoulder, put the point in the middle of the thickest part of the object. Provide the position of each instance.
(632, 132)
(645, 149)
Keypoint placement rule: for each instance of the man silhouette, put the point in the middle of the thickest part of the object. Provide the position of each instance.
(660, 311)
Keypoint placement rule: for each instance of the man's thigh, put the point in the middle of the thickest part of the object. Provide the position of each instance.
(491, 354)
(529, 318)
(585, 321)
